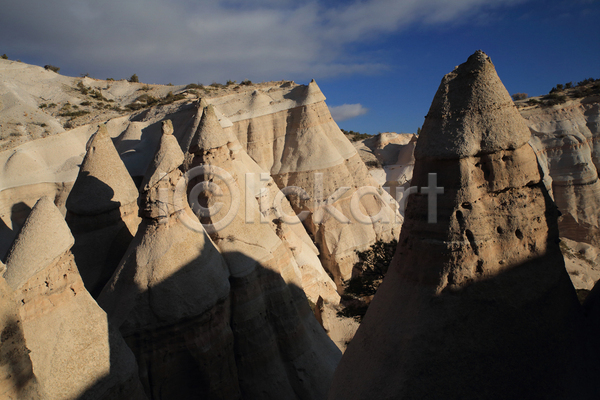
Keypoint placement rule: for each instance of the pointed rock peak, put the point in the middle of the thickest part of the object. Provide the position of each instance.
(313, 87)
(311, 94)
(260, 99)
(167, 127)
(45, 236)
(471, 114)
(210, 134)
(103, 182)
(167, 158)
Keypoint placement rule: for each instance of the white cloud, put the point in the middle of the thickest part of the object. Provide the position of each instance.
(189, 41)
(347, 111)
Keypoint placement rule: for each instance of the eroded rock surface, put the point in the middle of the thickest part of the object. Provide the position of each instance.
(17, 380)
(302, 146)
(271, 262)
(477, 305)
(75, 353)
(567, 136)
(170, 295)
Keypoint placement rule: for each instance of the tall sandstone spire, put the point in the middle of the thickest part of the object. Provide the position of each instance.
(74, 352)
(101, 212)
(170, 295)
(478, 304)
(281, 350)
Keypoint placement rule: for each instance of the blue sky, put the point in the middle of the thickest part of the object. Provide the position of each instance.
(383, 59)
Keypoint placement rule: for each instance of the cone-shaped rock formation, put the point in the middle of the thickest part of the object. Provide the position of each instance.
(281, 350)
(170, 295)
(75, 355)
(101, 212)
(478, 304)
(304, 147)
(43, 239)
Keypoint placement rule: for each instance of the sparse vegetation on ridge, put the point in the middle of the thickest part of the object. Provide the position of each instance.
(52, 68)
(561, 93)
(355, 136)
(519, 96)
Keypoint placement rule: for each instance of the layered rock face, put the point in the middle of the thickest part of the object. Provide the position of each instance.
(302, 146)
(170, 295)
(390, 159)
(102, 212)
(567, 137)
(17, 380)
(271, 260)
(74, 352)
(265, 217)
(478, 304)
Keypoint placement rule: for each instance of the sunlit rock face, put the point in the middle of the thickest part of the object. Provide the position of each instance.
(74, 352)
(477, 304)
(302, 146)
(102, 212)
(281, 350)
(17, 380)
(568, 140)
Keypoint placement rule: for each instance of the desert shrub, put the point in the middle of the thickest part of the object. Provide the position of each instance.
(246, 82)
(52, 105)
(373, 163)
(195, 86)
(169, 84)
(52, 68)
(367, 275)
(96, 94)
(4, 57)
(134, 79)
(145, 88)
(554, 98)
(43, 105)
(230, 82)
(135, 106)
(568, 85)
(519, 96)
(418, 131)
(170, 97)
(356, 136)
(110, 79)
(217, 85)
(586, 81)
(146, 98)
(73, 114)
(81, 87)
(85, 103)
(533, 102)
